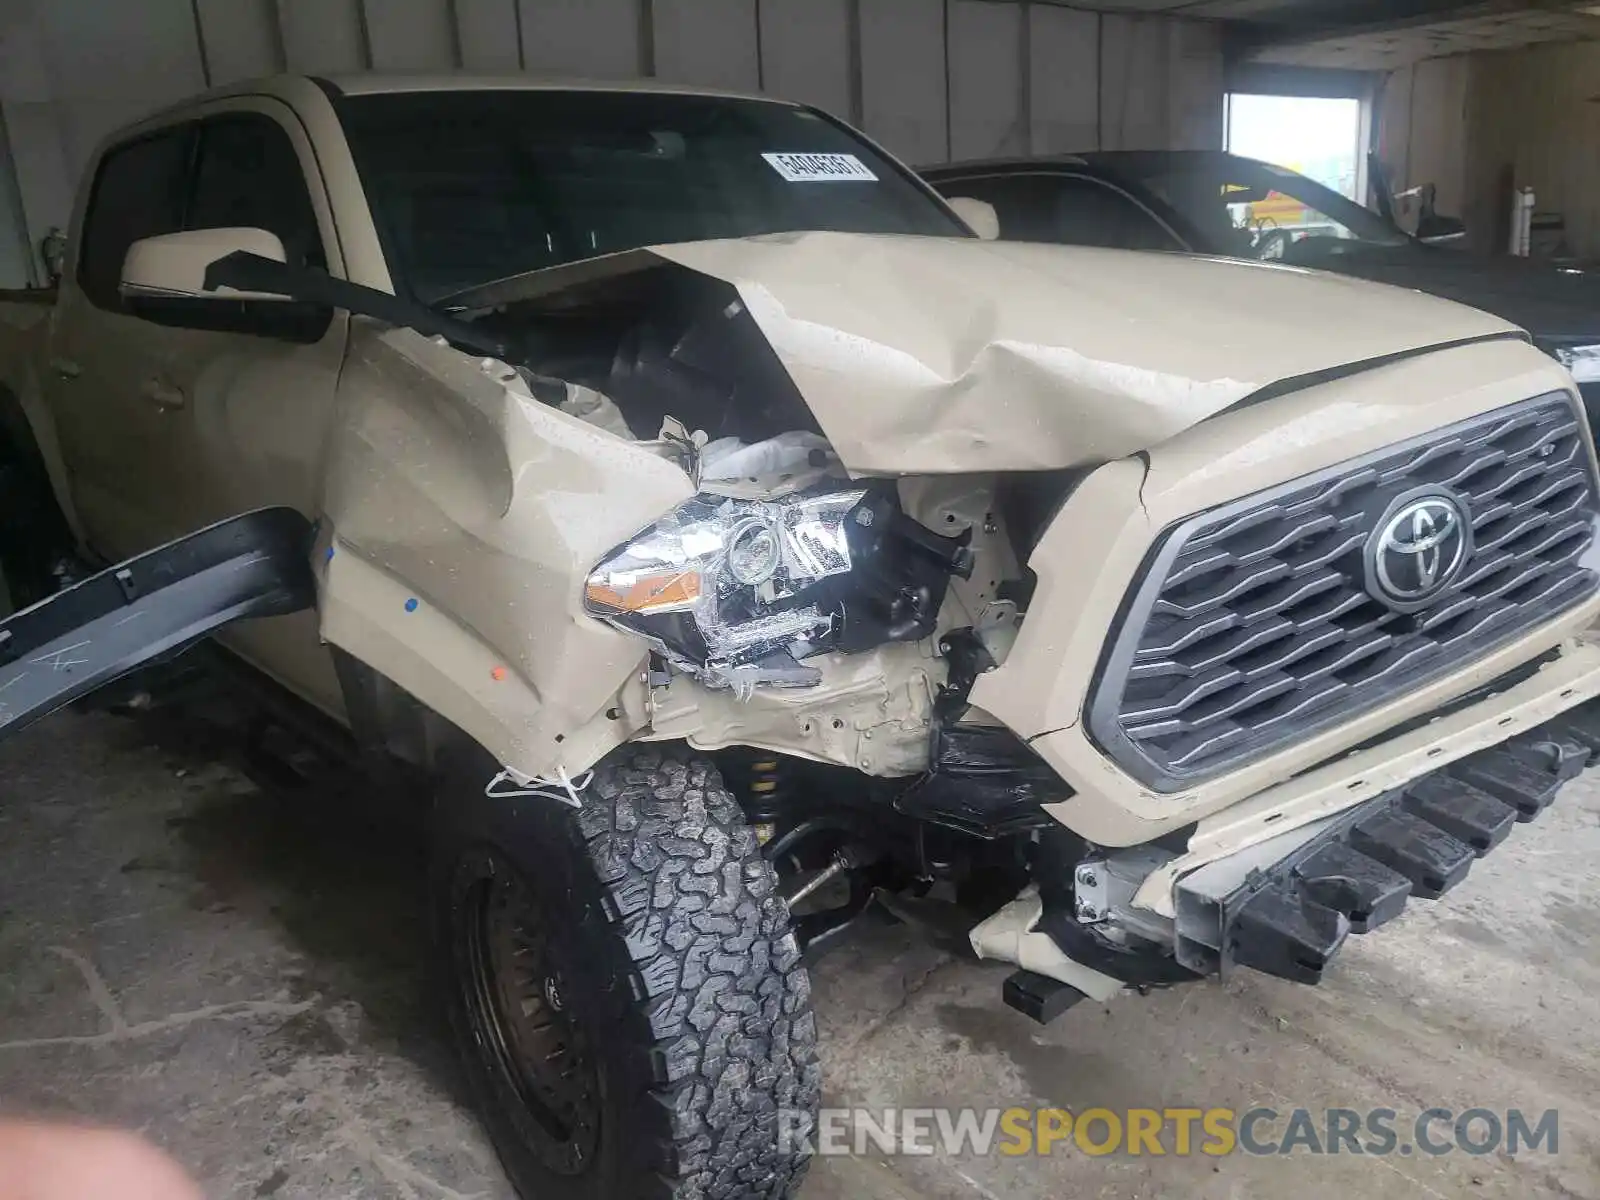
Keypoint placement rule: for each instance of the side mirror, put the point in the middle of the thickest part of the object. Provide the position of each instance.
(979, 216)
(1432, 228)
(173, 265)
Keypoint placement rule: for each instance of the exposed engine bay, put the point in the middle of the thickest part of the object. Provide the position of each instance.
(782, 558)
(759, 596)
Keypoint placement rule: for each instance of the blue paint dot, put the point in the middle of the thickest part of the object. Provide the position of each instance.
(330, 555)
(411, 604)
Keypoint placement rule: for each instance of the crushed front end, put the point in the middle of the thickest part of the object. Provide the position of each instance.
(1123, 661)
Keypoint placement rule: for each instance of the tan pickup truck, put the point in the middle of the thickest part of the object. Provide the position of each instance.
(737, 544)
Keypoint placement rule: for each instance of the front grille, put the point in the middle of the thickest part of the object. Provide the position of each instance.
(1254, 624)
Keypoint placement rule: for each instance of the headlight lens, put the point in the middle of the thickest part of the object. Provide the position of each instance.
(738, 592)
(753, 552)
(720, 580)
(1582, 361)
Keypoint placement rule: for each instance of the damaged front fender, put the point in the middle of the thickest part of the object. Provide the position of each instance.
(462, 516)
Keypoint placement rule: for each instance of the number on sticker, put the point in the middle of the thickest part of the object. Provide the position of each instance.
(819, 168)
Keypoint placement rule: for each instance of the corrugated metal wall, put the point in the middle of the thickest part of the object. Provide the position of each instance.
(1476, 124)
(1534, 119)
(932, 79)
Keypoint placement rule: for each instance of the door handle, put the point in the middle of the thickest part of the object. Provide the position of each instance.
(162, 394)
(65, 368)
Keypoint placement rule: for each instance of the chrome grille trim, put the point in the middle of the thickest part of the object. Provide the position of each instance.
(1251, 625)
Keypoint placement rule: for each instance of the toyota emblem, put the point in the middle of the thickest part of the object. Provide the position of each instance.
(1419, 547)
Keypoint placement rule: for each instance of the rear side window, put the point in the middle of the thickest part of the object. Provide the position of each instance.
(248, 174)
(1091, 213)
(137, 193)
(1022, 202)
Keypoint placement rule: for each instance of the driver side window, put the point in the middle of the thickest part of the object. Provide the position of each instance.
(248, 174)
(138, 192)
(244, 172)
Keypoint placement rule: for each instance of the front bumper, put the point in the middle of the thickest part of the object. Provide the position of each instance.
(1285, 906)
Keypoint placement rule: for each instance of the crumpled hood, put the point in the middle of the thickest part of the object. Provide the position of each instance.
(932, 355)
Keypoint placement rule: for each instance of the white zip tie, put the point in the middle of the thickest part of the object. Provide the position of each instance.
(537, 786)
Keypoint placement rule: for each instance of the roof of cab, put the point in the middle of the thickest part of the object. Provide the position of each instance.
(1015, 162)
(295, 89)
(380, 82)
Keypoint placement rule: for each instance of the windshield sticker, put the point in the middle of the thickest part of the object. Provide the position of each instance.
(819, 168)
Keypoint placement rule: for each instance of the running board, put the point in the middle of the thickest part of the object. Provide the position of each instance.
(150, 608)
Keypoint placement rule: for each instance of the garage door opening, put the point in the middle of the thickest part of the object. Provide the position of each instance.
(1317, 136)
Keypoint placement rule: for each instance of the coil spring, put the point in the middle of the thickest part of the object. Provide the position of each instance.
(767, 793)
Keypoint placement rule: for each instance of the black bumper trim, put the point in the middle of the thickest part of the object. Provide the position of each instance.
(1290, 918)
(1461, 810)
(150, 608)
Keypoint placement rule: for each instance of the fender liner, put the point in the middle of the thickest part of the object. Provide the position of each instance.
(152, 607)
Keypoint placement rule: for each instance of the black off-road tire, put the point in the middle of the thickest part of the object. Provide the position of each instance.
(668, 966)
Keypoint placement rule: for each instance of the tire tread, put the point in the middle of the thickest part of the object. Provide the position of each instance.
(708, 941)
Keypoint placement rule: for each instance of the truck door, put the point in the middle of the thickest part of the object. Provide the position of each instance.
(113, 435)
(248, 390)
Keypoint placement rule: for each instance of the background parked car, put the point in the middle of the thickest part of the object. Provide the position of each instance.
(1209, 202)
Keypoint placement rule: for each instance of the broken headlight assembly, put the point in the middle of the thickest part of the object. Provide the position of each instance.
(738, 592)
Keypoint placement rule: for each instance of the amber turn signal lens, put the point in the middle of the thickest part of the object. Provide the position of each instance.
(646, 593)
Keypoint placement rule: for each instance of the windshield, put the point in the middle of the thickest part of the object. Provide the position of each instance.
(1252, 209)
(473, 186)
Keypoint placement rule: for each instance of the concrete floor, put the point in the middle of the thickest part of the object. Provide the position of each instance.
(240, 977)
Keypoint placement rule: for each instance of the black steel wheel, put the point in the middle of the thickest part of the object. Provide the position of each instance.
(517, 1004)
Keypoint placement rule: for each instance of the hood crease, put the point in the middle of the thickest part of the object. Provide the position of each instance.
(924, 355)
